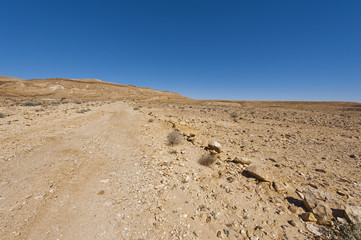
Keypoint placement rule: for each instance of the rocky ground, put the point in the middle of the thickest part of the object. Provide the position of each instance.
(73, 169)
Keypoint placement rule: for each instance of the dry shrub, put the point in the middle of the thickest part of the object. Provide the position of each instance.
(174, 138)
(234, 115)
(2, 115)
(208, 159)
(31, 104)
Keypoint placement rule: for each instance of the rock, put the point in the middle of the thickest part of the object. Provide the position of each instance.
(292, 223)
(341, 220)
(219, 234)
(341, 193)
(215, 146)
(294, 209)
(279, 187)
(186, 179)
(244, 161)
(314, 229)
(320, 170)
(312, 197)
(300, 194)
(322, 211)
(353, 214)
(258, 173)
(353, 156)
(309, 217)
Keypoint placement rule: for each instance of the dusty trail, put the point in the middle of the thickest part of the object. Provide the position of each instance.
(84, 183)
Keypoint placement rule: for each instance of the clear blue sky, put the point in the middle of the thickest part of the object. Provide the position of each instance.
(205, 49)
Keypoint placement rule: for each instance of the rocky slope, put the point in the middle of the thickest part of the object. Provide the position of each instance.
(78, 88)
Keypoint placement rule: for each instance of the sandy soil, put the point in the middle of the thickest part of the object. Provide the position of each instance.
(104, 169)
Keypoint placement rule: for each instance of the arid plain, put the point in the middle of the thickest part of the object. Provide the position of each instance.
(85, 159)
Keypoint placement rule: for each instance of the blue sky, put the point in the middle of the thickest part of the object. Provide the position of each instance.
(238, 50)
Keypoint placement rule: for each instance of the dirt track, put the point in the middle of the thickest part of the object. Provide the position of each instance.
(72, 183)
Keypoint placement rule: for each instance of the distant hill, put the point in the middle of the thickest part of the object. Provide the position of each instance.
(80, 88)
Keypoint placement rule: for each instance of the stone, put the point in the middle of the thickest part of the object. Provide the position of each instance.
(244, 161)
(309, 217)
(215, 146)
(258, 173)
(314, 229)
(339, 192)
(312, 197)
(279, 187)
(292, 223)
(353, 214)
(322, 212)
(294, 209)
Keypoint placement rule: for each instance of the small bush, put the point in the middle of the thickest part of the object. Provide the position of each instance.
(54, 103)
(2, 115)
(350, 232)
(77, 102)
(174, 138)
(31, 104)
(207, 160)
(83, 110)
(136, 108)
(151, 120)
(234, 115)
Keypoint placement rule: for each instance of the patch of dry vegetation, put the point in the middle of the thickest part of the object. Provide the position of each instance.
(208, 159)
(174, 138)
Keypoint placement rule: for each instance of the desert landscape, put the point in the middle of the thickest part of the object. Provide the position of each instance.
(87, 159)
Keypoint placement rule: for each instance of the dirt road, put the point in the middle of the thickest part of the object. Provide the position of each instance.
(79, 177)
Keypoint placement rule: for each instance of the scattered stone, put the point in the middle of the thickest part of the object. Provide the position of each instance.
(341, 220)
(105, 180)
(312, 197)
(309, 217)
(294, 209)
(339, 192)
(314, 229)
(215, 146)
(353, 214)
(279, 187)
(353, 156)
(186, 179)
(292, 223)
(322, 212)
(244, 161)
(226, 232)
(300, 194)
(258, 173)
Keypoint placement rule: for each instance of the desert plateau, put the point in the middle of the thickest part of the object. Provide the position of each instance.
(87, 159)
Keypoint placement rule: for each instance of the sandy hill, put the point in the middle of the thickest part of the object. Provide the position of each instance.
(79, 88)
